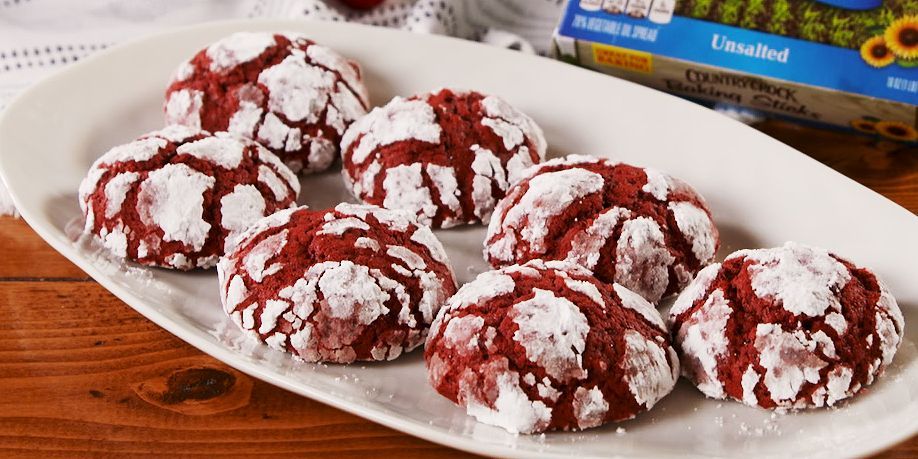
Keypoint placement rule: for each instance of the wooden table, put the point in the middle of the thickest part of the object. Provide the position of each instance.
(81, 373)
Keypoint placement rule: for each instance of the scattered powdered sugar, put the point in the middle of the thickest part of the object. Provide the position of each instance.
(803, 278)
(184, 107)
(175, 194)
(405, 189)
(513, 410)
(548, 195)
(703, 340)
(590, 407)
(647, 370)
(695, 290)
(401, 119)
(222, 151)
(638, 304)
(788, 362)
(553, 331)
(643, 259)
(657, 184)
(116, 190)
(238, 48)
(697, 228)
(585, 246)
(239, 209)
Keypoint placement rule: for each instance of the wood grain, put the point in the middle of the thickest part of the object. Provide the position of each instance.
(27, 256)
(82, 374)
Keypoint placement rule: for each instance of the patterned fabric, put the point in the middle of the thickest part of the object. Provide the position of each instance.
(40, 36)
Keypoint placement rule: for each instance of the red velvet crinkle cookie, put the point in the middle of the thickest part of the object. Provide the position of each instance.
(446, 156)
(546, 346)
(290, 94)
(635, 226)
(177, 198)
(788, 327)
(353, 283)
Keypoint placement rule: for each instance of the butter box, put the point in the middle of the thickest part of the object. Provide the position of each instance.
(849, 63)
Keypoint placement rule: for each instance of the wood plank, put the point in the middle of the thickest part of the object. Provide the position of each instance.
(26, 255)
(85, 374)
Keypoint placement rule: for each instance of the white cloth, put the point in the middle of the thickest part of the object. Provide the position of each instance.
(40, 36)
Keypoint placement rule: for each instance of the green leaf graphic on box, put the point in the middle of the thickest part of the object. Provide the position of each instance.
(907, 63)
(876, 30)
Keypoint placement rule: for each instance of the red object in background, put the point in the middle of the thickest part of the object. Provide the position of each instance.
(362, 4)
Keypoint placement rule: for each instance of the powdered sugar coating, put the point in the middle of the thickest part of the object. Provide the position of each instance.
(399, 120)
(545, 346)
(803, 278)
(178, 198)
(697, 228)
(351, 283)
(773, 328)
(236, 49)
(184, 107)
(546, 197)
(642, 259)
(647, 368)
(553, 332)
(703, 339)
(283, 90)
(637, 227)
(447, 156)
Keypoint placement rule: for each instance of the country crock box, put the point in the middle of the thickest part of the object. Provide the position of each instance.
(850, 63)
